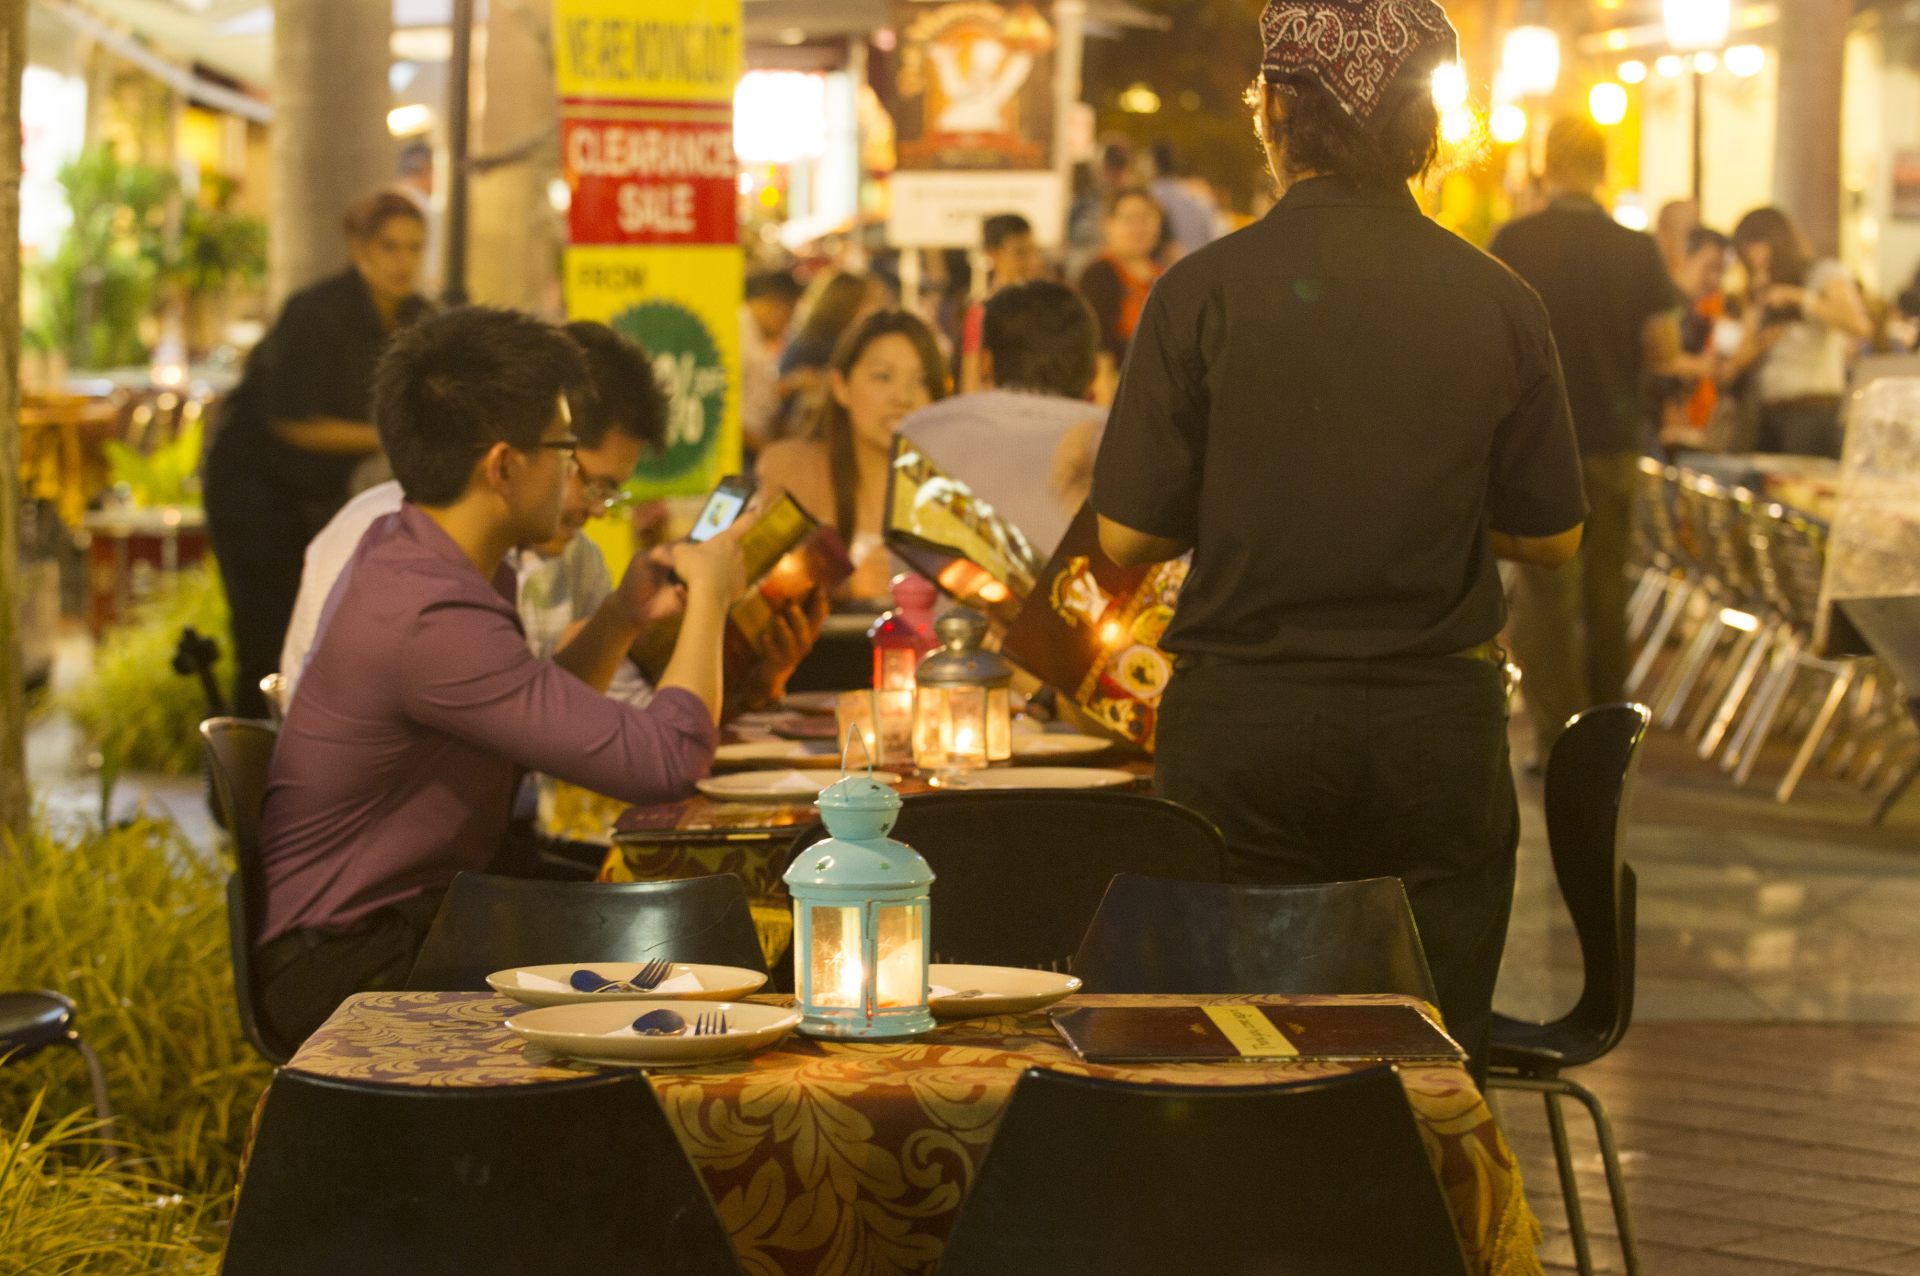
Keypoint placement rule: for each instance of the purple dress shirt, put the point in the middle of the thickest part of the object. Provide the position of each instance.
(396, 766)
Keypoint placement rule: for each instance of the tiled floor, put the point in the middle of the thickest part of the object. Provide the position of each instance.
(1764, 1100)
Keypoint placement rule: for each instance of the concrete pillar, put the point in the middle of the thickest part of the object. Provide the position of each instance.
(1811, 40)
(512, 258)
(329, 135)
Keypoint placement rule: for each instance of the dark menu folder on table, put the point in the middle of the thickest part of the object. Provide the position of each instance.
(1241, 1030)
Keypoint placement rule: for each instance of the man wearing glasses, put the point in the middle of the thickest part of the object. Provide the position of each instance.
(562, 581)
(420, 703)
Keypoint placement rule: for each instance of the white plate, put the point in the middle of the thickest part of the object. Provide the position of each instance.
(797, 752)
(712, 983)
(603, 1032)
(1041, 777)
(997, 990)
(1058, 744)
(777, 786)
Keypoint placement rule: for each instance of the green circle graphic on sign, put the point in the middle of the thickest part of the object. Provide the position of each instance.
(690, 373)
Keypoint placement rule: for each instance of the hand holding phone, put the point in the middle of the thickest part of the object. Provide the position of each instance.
(723, 507)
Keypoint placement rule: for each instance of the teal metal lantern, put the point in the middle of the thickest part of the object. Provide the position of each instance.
(860, 925)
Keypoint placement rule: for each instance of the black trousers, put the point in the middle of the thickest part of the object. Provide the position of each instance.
(304, 975)
(259, 532)
(1339, 770)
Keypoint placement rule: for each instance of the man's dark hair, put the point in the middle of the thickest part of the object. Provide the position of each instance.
(1706, 237)
(1042, 337)
(778, 284)
(456, 383)
(999, 228)
(625, 396)
(1315, 134)
(1576, 153)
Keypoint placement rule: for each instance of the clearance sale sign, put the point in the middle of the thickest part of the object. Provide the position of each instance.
(646, 134)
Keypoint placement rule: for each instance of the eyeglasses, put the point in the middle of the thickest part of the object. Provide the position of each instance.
(603, 494)
(569, 447)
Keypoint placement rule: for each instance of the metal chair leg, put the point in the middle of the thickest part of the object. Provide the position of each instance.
(1610, 1159)
(1816, 734)
(1735, 692)
(1674, 693)
(97, 1077)
(1894, 794)
(1569, 1186)
(1676, 604)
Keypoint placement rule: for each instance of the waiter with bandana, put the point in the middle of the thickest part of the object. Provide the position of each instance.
(1347, 414)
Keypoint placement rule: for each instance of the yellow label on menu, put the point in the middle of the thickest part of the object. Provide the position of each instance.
(1250, 1031)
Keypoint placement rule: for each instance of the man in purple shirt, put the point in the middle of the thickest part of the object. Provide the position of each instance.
(396, 766)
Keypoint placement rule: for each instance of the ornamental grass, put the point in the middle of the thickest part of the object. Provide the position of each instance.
(130, 922)
(133, 709)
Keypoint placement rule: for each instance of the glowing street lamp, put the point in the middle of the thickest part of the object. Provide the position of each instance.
(1696, 24)
(1530, 61)
(1607, 103)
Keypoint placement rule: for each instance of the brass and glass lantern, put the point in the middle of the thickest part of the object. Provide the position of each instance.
(962, 701)
(860, 922)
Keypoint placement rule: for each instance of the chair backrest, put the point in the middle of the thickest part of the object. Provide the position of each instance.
(1589, 778)
(574, 1176)
(1123, 1179)
(1155, 935)
(490, 923)
(1018, 875)
(238, 752)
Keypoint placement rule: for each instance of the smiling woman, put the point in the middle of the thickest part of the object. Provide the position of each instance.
(886, 367)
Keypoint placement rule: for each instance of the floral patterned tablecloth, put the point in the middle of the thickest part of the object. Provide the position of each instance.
(853, 1158)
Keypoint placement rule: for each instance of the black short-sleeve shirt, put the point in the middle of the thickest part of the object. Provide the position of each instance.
(1600, 282)
(317, 360)
(1332, 406)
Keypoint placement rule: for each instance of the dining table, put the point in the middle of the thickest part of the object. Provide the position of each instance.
(754, 840)
(855, 1157)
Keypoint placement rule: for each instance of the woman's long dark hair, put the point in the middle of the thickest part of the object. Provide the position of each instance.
(832, 310)
(1791, 256)
(835, 427)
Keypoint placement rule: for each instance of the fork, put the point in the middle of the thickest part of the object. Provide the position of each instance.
(711, 1024)
(647, 978)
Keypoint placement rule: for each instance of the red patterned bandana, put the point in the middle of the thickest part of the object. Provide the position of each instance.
(1363, 52)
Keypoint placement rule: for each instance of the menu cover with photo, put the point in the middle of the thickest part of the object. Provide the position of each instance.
(954, 538)
(1092, 628)
(788, 552)
(1323, 1031)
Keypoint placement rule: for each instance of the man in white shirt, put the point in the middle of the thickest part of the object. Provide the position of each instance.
(1025, 443)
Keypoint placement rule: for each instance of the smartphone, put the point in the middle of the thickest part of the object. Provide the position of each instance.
(722, 507)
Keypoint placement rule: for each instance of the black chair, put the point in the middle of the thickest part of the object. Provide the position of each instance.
(32, 1021)
(1155, 935)
(1588, 778)
(571, 1176)
(1326, 1177)
(1018, 875)
(490, 923)
(238, 752)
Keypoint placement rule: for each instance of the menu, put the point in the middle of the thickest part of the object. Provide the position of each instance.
(1092, 628)
(955, 538)
(788, 553)
(1323, 1031)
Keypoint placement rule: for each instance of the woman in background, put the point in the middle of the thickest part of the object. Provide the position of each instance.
(837, 303)
(887, 366)
(1805, 320)
(1117, 282)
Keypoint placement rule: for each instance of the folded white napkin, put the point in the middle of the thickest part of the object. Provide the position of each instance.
(684, 982)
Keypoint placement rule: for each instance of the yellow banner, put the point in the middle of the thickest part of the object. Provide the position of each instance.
(646, 89)
(661, 50)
